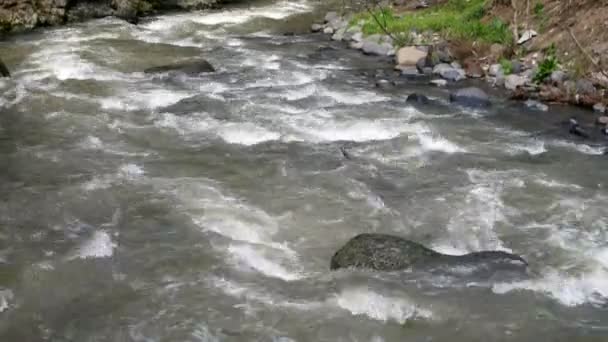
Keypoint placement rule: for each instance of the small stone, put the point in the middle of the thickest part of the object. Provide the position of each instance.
(316, 28)
(356, 45)
(448, 72)
(602, 121)
(532, 104)
(328, 30)
(526, 36)
(339, 34)
(407, 70)
(599, 108)
(439, 83)
(516, 67)
(357, 37)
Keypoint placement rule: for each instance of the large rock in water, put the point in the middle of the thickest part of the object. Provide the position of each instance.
(191, 68)
(4, 70)
(383, 252)
(471, 97)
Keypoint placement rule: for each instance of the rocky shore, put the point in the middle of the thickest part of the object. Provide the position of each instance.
(19, 15)
(443, 62)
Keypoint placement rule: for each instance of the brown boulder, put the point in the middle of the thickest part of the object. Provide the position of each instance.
(472, 68)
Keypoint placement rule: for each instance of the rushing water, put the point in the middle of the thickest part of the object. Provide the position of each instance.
(138, 207)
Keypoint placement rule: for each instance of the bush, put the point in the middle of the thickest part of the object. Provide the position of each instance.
(507, 66)
(547, 66)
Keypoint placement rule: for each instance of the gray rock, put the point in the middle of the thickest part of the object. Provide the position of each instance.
(558, 77)
(439, 83)
(456, 65)
(471, 97)
(330, 16)
(448, 72)
(407, 70)
(191, 68)
(382, 252)
(512, 82)
(599, 108)
(328, 30)
(357, 37)
(339, 34)
(532, 104)
(316, 27)
(585, 87)
(443, 56)
(494, 70)
(352, 32)
(516, 67)
(373, 48)
(601, 121)
(4, 70)
(126, 9)
(356, 45)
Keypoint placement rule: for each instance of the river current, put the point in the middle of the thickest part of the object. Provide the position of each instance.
(139, 207)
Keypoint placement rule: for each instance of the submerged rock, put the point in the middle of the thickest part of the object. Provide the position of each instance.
(383, 252)
(472, 97)
(4, 70)
(536, 105)
(189, 68)
(417, 98)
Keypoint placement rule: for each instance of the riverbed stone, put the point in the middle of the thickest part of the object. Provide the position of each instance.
(470, 97)
(602, 121)
(558, 77)
(512, 82)
(417, 98)
(448, 72)
(316, 27)
(383, 252)
(409, 55)
(599, 108)
(328, 30)
(472, 68)
(536, 105)
(339, 34)
(331, 16)
(191, 68)
(585, 87)
(4, 72)
(379, 49)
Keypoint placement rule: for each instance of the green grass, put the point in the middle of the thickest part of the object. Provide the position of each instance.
(548, 65)
(459, 19)
(507, 66)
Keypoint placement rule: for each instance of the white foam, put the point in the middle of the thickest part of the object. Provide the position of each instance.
(255, 258)
(246, 134)
(354, 98)
(362, 301)
(130, 171)
(147, 99)
(533, 148)
(357, 130)
(6, 296)
(100, 245)
(583, 148)
(432, 142)
(590, 287)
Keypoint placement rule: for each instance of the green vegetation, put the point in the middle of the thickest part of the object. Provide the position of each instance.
(541, 16)
(507, 66)
(547, 66)
(460, 19)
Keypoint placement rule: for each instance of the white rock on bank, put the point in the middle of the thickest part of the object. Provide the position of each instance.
(439, 83)
(409, 55)
(494, 70)
(526, 36)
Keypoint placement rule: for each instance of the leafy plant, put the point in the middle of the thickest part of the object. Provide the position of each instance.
(507, 66)
(547, 66)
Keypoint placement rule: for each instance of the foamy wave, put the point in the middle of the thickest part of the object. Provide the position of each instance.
(149, 99)
(532, 148)
(583, 148)
(362, 301)
(590, 287)
(431, 142)
(246, 134)
(256, 259)
(6, 296)
(100, 245)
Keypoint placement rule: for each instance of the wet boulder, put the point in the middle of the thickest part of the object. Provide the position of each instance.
(417, 99)
(191, 68)
(470, 97)
(382, 252)
(4, 70)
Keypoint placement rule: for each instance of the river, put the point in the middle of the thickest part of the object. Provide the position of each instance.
(138, 207)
